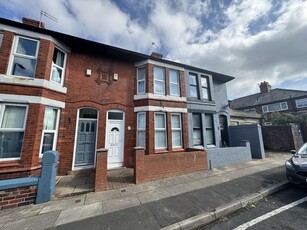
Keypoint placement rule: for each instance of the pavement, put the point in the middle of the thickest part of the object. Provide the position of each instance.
(183, 202)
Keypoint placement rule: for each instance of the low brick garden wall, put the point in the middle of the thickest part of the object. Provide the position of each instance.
(159, 166)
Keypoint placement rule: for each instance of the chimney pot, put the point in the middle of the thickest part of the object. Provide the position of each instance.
(157, 55)
(265, 87)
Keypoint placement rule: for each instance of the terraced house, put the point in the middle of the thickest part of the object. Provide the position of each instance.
(59, 92)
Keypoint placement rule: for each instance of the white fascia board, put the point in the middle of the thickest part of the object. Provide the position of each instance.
(160, 109)
(11, 98)
(157, 63)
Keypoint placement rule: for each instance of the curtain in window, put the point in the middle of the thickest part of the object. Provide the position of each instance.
(50, 119)
(58, 58)
(14, 117)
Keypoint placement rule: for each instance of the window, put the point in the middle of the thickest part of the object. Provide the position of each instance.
(50, 129)
(197, 130)
(141, 79)
(176, 130)
(159, 80)
(57, 69)
(88, 113)
(1, 38)
(174, 83)
(193, 85)
(115, 116)
(24, 57)
(301, 103)
(274, 107)
(141, 129)
(205, 88)
(12, 121)
(160, 130)
(210, 140)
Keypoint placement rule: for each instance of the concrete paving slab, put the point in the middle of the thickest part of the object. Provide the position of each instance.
(39, 222)
(173, 209)
(153, 195)
(178, 189)
(164, 183)
(136, 218)
(206, 182)
(63, 204)
(83, 188)
(79, 213)
(206, 199)
(179, 179)
(101, 196)
(143, 187)
(117, 204)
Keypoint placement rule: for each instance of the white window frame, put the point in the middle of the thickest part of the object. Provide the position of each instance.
(138, 129)
(158, 80)
(177, 129)
(14, 54)
(301, 103)
(161, 129)
(205, 87)
(2, 110)
(55, 131)
(177, 84)
(142, 80)
(265, 108)
(57, 66)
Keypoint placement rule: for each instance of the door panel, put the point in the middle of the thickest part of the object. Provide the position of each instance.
(115, 143)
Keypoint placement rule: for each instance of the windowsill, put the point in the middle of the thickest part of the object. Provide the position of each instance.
(177, 149)
(158, 151)
(34, 82)
(9, 163)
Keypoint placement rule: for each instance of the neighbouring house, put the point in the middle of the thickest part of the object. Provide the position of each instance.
(64, 93)
(238, 117)
(272, 100)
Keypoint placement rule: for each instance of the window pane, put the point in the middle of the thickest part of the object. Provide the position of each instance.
(159, 121)
(192, 79)
(176, 138)
(204, 82)
(210, 137)
(160, 139)
(284, 105)
(141, 138)
(159, 87)
(141, 121)
(50, 119)
(174, 76)
(193, 91)
(141, 73)
(205, 93)
(141, 86)
(23, 67)
(14, 117)
(88, 113)
(158, 73)
(26, 47)
(197, 139)
(115, 116)
(56, 75)
(174, 89)
(58, 57)
(47, 142)
(208, 121)
(196, 121)
(10, 144)
(176, 121)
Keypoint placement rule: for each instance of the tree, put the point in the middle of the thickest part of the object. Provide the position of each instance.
(286, 118)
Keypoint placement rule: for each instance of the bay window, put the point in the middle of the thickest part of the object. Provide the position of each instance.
(159, 80)
(50, 129)
(160, 130)
(141, 129)
(12, 128)
(141, 80)
(174, 82)
(24, 57)
(176, 130)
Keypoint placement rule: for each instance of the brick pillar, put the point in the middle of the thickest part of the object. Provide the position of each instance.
(139, 167)
(101, 176)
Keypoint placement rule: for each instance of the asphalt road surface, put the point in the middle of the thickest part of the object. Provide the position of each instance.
(284, 210)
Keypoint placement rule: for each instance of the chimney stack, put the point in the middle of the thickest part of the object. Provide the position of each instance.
(32, 22)
(157, 55)
(265, 87)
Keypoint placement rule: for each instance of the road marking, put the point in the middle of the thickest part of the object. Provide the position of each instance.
(270, 214)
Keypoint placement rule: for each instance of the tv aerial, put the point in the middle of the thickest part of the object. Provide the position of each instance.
(44, 13)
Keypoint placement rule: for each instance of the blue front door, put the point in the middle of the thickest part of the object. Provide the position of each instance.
(86, 142)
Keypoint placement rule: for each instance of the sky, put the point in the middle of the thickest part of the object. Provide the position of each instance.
(251, 40)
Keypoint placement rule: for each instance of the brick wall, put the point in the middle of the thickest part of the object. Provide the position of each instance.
(158, 166)
(16, 197)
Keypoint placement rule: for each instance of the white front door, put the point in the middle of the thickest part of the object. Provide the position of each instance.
(115, 143)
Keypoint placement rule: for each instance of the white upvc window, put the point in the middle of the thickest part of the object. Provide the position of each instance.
(160, 131)
(24, 57)
(141, 80)
(159, 80)
(12, 128)
(141, 129)
(301, 103)
(176, 130)
(50, 130)
(174, 82)
(275, 107)
(58, 66)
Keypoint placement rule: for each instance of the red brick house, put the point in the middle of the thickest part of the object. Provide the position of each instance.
(59, 92)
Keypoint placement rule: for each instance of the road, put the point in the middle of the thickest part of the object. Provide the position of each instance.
(284, 210)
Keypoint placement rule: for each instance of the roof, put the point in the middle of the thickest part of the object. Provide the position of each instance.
(111, 51)
(274, 95)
